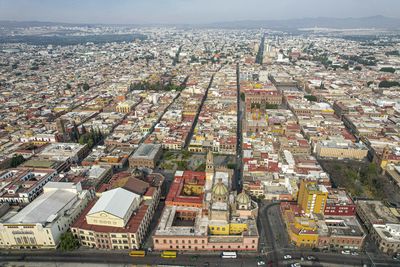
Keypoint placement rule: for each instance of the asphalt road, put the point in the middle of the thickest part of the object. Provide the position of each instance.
(120, 257)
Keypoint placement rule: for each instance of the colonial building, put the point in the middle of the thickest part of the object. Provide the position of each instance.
(120, 217)
(40, 224)
(146, 156)
(203, 213)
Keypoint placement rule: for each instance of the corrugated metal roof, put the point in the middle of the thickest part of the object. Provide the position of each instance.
(45, 208)
(115, 202)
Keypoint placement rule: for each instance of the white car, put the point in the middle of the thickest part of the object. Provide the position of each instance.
(295, 264)
(346, 252)
(354, 253)
(287, 257)
(261, 263)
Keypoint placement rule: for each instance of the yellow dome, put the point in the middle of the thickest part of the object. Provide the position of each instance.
(220, 189)
(243, 199)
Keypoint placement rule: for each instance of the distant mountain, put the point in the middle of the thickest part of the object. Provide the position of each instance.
(380, 22)
(23, 24)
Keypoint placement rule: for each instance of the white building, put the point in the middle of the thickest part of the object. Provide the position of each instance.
(41, 223)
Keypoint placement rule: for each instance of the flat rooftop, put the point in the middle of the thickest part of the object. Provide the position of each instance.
(376, 211)
(45, 208)
(147, 151)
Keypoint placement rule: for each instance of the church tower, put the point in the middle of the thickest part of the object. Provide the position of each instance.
(209, 169)
(210, 162)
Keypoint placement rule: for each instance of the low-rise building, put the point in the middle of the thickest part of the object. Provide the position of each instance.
(21, 186)
(41, 223)
(146, 156)
(382, 224)
(340, 148)
(339, 203)
(120, 217)
(336, 232)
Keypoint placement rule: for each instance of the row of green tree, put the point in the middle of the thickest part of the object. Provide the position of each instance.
(388, 69)
(264, 106)
(91, 138)
(388, 84)
(158, 86)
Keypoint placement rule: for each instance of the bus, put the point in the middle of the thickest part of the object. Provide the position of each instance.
(228, 255)
(168, 254)
(137, 253)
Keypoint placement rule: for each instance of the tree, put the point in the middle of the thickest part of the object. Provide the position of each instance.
(271, 106)
(68, 86)
(388, 69)
(311, 98)
(231, 165)
(357, 68)
(16, 160)
(85, 87)
(201, 168)
(388, 84)
(68, 242)
(242, 96)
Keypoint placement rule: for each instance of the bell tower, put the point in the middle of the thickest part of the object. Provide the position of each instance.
(210, 162)
(209, 168)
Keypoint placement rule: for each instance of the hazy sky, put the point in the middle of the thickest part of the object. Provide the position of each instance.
(189, 11)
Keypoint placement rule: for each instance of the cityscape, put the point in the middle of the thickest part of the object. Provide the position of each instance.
(238, 143)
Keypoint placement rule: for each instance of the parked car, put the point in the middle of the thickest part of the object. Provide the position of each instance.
(287, 257)
(354, 253)
(295, 264)
(260, 263)
(311, 258)
(346, 252)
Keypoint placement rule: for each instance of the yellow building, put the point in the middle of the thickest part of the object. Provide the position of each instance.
(125, 107)
(227, 229)
(302, 230)
(312, 197)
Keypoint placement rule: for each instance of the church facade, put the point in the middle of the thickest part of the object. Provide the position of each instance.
(225, 220)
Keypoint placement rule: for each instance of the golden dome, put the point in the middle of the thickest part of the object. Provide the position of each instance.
(243, 198)
(220, 189)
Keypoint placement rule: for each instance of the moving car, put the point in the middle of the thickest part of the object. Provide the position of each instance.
(260, 263)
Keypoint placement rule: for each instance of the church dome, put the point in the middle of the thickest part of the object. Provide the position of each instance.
(220, 189)
(243, 198)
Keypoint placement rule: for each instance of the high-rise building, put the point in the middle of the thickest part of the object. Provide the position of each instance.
(312, 197)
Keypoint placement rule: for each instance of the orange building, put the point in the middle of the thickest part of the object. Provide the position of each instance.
(187, 189)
